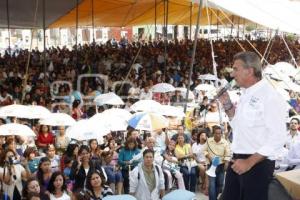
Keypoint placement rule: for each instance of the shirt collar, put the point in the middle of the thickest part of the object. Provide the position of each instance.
(255, 87)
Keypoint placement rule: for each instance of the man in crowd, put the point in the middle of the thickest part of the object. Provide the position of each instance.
(147, 180)
(293, 134)
(217, 148)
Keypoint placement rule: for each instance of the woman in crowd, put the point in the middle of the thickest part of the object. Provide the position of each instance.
(55, 159)
(61, 140)
(93, 144)
(44, 138)
(30, 160)
(82, 166)
(33, 186)
(114, 175)
(12, 175)
(95, 185)
(71, 152)
(197, 149)
(76, 111)
(125, 160)
(57, 187)
(188, 168)
(170, 166)
(44, 173)
(135, 134)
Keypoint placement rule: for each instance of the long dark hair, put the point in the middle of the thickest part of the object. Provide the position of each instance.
(70, 150)
(51, 187)
(25, 188)
(89, 178)
(40, 173)
(3, 156)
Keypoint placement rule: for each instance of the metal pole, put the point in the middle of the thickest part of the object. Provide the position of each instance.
(44, 34)
(155, 28)
(76, 48)
(193, 56)
(232, 18)
(8, 26)
(191, 11)
(238, 30)
(93, 22)
(166, 6)
(217, 24)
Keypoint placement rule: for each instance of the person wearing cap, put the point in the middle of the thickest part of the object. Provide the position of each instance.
(259, 131)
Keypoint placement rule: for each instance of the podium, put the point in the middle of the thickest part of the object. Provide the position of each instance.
(291, 182)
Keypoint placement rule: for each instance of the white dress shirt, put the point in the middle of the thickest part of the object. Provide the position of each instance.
(292, 139)
(293, 156)
(146, 95)
(259, 121)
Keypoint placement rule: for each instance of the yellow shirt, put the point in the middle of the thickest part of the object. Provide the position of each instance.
(182, 151)
(220, 149)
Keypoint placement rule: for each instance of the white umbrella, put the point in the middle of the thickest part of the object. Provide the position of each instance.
(15, 110)
(208, 77)
(163, 88)
(288, 85)
(285, 68)
(183, 93)
(38, 112)
(118, 112)
(146, 106)
(111, 122)
(16, 129)
(205, 87)
(58, 119)
(108, 98)
(86, 130)
(171, 111)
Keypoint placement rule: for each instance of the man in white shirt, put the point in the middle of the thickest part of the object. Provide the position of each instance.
(259, 131)
(293, 156)
(293, 134)
(146, 93)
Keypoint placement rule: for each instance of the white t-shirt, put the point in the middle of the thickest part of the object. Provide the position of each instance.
(65, 196)
(197, 149)
(15, 182)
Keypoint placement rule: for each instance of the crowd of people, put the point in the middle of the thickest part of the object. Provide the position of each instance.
(53, 166)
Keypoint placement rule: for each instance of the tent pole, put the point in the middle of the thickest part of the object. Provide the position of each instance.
(166, 8)
(8, 26)
(217, 24)
(244, 28)
(232, 19)
(193, 56)
(93, 22)
(191, 12)
(155, 28)
(76, 36)
(44, 34)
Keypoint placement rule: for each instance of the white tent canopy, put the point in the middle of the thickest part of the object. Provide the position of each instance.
(283, 15)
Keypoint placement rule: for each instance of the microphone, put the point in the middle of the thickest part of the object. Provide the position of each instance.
(224, 89)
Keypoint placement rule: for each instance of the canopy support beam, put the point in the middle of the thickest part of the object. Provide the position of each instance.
(191, 13)
(193, 56)
(76, 35)
(44, 40)
(155, 21)
(166, 16)
(8, 26)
